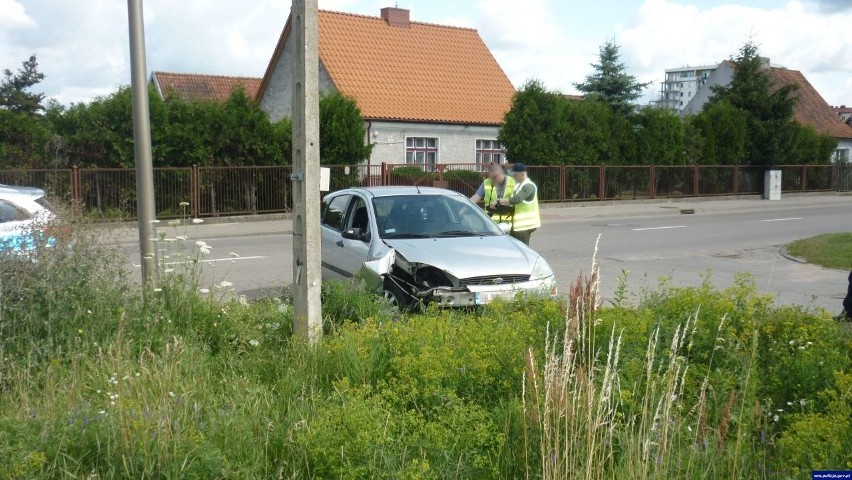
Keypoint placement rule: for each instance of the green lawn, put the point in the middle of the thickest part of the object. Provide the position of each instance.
(832, 250)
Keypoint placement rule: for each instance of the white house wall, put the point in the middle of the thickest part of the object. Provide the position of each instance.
(456, 143)
(845, 144)
(277, 97)
(721, 76)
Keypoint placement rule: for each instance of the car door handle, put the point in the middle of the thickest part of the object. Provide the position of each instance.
(339, 243)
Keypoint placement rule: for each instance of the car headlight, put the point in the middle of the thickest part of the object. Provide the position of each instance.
(541, 270)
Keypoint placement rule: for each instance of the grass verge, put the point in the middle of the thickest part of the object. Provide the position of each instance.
(100, 380)
(831, 250)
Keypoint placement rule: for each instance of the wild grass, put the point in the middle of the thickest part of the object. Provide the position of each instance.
(99, 379)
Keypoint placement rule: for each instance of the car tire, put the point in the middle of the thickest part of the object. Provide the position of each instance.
(395, 297)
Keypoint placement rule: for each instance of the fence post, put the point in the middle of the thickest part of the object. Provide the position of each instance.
(695, 183)
(736, 186)
(602, 183)
(562, 184)
(384, 174)
(835, 172)
(652, 182)
(194, 193)
(75, 185)
(805, 178)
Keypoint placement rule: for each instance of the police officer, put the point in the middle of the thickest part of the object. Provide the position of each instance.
(497, 186)
(525, 200)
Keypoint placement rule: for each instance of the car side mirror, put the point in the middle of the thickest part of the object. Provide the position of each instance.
(504, 227)
(355, 234)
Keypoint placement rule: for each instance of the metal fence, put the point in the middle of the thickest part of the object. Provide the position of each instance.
(110, 193)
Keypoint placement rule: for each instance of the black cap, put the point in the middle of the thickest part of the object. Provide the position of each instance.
(518, 167)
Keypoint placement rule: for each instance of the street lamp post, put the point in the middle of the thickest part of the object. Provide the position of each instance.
(142, 143)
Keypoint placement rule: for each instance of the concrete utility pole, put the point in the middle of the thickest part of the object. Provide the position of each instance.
(142, 141)
(307, 307)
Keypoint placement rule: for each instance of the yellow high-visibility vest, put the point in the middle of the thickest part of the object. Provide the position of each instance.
(491, 197)
(526, 213)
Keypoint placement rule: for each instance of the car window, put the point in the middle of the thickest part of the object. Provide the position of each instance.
(358, 216)
(335, 212)
(44, 203)
(431, 216)
(11, 213)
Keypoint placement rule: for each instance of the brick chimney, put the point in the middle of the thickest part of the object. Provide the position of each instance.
(397, 17)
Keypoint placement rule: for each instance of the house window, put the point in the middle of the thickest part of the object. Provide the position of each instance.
(841, 155)
(421, 151)
(488, 152)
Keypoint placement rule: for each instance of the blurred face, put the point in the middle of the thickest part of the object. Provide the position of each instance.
(496, 174)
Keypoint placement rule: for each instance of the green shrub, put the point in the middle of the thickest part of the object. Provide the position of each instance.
(99, 378)
(412, 176)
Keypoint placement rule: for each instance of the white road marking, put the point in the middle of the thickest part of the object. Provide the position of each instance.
(213, 260)
(782, 219)
(658, 228)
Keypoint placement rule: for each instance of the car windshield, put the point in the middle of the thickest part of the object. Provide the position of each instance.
(430, 216)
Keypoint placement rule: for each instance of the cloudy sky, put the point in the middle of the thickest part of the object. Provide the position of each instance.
(82, 45)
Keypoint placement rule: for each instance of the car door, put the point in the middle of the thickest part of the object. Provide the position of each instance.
(352, 253)
(334, 210)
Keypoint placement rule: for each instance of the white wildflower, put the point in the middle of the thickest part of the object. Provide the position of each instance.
(254, 342)
(169, 240)
(283, 308)
(243, 301)
(204, 290)
(172, 394)
(102, 412)
(205, 250)
(184, 204)
(225, 284)
(197, 221)
(158, 289)
(182, 238)
(792, 342)
(169, 270)
(155, 222)
(174, 223)
(775, 418)
(200, 243)
(803, 402)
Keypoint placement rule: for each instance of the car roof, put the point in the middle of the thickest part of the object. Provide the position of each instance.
(31, 192)
(396, 191)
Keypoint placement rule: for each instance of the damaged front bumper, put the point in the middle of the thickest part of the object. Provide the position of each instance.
(394, 270)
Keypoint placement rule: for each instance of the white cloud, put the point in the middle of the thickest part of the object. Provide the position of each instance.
(801, 36)
(14, 16)
(529, 43)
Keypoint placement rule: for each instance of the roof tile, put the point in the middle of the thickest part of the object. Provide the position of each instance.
(426, 72)
(811, 109)
(204, 87)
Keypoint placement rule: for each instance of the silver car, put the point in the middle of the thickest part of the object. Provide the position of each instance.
(22, 209)
(426, 245)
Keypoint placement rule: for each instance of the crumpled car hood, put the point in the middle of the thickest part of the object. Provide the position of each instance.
(465, 257)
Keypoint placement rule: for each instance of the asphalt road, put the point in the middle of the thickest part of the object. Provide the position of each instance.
(685, 248)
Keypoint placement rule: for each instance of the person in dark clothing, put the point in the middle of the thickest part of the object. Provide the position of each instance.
(847, 302)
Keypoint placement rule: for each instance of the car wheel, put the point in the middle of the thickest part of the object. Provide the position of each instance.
(395, 297)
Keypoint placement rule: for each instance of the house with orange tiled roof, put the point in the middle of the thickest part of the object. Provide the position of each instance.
(811, 109)
(190, 86)
(428, 93)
